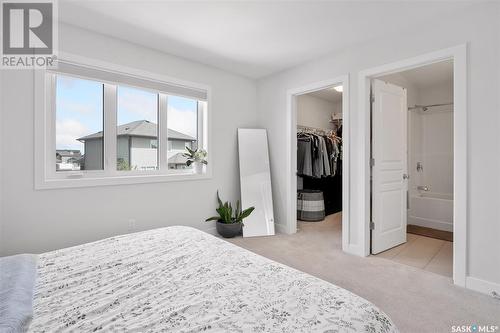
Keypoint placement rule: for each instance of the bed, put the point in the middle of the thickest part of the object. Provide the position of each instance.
(179, 279)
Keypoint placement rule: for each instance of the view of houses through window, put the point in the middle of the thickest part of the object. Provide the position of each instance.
(80, 127)
(182, 117)
(79, 112)
(137, 130)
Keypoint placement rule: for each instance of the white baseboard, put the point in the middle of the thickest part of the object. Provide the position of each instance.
(434, 224)
(482, 286)
(354, 250)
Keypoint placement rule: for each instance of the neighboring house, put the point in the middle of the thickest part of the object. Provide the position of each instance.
(137, 147)
(67, 159)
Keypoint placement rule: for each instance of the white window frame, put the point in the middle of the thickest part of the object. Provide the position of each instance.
(46, 176)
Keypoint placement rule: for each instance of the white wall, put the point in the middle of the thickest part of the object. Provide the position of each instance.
(437, 151)
(42, 220)
(437, 138)
(479, 26)
(316, 112)
(1, 157)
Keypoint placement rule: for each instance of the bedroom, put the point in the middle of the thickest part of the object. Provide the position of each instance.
(247, 57)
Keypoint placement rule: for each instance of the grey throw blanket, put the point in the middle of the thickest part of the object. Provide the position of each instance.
(17, 282)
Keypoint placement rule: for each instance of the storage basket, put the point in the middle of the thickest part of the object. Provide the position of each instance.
(310, 205)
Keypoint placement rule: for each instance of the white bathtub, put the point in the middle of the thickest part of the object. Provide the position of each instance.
(432, 210)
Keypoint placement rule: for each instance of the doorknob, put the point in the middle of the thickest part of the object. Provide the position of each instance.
(406, 176)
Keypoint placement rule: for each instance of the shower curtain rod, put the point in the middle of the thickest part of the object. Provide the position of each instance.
(425, 107)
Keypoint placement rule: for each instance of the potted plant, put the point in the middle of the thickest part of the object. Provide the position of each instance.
(229, 225)
(198, 157)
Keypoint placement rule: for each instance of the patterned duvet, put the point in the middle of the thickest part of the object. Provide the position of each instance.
(179, 279)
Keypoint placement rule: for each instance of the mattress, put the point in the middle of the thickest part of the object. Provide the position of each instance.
(179, 279)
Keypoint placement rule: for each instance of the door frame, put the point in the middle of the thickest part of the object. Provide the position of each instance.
(291, 168)
(460, 147)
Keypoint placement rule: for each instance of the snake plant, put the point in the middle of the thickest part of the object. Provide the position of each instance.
(225, 211)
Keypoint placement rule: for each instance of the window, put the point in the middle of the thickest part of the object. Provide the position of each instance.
(79, 112)
(137, 129)
(104, 126)
(182, 128)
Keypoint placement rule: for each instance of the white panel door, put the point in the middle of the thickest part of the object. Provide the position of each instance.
(389, 170)
(255, 182)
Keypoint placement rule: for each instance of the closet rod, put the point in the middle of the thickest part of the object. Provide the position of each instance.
(309, 128)
(426, 107)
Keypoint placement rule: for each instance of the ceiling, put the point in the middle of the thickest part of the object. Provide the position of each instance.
(252, 38)
(427, 76)
(328, 94)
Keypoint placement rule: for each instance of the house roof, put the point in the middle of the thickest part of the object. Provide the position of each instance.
(177, 159)
(142, 128)
(68, 153)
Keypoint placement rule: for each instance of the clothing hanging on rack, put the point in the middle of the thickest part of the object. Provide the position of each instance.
(317, 152)
(338, 161)
(304, 156)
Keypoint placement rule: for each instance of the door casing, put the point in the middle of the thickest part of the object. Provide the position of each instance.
(291, 150)
(460, 203)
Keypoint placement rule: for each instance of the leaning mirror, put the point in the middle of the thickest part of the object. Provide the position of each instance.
(255, 182)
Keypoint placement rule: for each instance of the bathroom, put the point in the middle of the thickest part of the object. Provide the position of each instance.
(429, 243)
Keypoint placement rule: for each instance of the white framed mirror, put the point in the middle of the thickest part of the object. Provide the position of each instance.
(255, 182)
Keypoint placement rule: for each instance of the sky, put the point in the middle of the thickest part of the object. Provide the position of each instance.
(79, 110)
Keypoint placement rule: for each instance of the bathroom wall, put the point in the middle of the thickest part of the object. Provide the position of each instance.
(436, 126)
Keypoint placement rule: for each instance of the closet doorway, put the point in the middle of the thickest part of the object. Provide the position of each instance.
(319, 157)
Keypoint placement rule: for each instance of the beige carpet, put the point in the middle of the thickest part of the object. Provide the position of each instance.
(416, 300)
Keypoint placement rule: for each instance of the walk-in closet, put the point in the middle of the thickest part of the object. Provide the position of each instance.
(319, 160)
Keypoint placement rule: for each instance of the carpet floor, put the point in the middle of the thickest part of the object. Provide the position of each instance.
(416, 300)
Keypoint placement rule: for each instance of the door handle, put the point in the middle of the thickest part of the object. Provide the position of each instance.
(406, 176)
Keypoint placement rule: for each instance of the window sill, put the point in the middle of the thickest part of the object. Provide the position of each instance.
(58, 183)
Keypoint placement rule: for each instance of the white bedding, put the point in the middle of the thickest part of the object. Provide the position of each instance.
(179, 279)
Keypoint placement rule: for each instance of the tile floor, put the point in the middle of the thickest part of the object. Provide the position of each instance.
(430, 254)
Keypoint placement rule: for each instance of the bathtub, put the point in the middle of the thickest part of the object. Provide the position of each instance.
(432, 210)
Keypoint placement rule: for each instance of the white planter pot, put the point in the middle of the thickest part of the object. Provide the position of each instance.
(198, 167)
